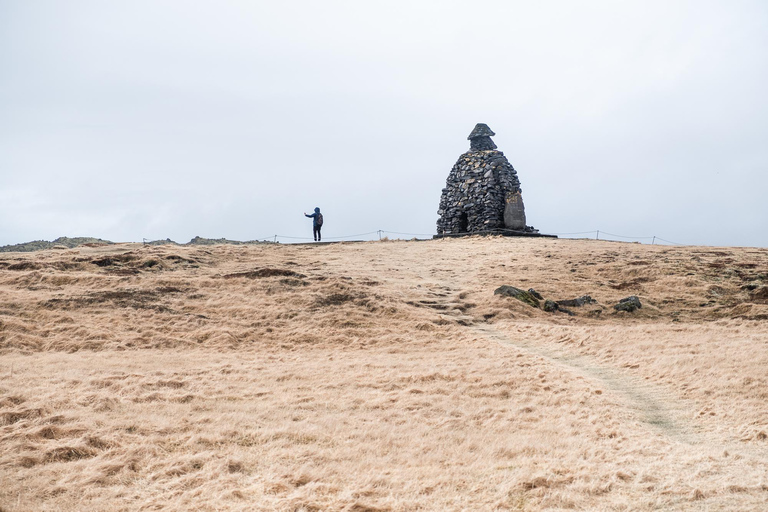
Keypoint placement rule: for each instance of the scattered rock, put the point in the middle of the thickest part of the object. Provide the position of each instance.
(577, 302)
(167, 241)
(628, 304)
(198, 240)
(218, 241)
(535, 293)
(550, 306)
(517, 293)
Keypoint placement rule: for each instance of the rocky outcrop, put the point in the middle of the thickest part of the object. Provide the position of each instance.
(517, 293)
(63, 241)
(534, 299)
(577, 302)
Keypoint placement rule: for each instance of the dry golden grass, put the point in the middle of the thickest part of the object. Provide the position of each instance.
(383, 376)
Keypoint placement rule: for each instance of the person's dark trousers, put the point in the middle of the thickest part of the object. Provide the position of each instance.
(316, 232)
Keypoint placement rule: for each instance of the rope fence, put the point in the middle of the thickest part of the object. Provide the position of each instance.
(598, 234)
(382, 233)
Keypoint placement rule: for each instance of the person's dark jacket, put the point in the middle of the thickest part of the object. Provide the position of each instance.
(314, 218)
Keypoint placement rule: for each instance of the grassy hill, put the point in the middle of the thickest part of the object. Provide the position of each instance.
(383, 376)
(62, 242)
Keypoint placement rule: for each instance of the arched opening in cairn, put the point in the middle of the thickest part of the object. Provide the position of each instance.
(463, 222)
(482, 192)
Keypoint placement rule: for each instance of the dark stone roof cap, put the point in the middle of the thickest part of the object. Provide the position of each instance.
(481, 130)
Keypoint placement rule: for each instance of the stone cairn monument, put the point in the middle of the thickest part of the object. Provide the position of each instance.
(482, 193)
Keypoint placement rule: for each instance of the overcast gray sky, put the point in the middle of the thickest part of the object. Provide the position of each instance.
(153, 119)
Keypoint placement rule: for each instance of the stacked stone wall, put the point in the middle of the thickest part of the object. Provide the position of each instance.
(476, 193)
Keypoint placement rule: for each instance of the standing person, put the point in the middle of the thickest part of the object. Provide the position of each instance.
(317, 223)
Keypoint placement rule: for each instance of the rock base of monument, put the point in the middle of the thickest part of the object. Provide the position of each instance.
(497, 232)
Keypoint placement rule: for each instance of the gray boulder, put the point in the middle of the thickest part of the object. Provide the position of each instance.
(517, 293)
(550, 306)
(628, 304)
(577, 302)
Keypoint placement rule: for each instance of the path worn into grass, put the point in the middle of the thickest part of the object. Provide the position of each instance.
(649, 403)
